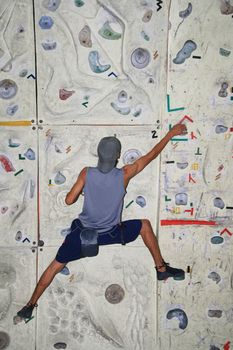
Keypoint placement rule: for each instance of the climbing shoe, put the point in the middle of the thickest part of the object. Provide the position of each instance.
(26, 311)
(177, 274)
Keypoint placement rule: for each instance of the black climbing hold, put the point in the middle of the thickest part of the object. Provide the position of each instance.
(181, 315)
(60, 345)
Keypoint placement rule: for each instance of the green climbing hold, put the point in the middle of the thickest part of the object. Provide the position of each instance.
(108, 33)
(79, 3)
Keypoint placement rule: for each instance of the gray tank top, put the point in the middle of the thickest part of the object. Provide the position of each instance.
(103, 199)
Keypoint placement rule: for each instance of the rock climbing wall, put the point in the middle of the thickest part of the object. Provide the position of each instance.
(196, 212)
(72, 72)
(87, 63)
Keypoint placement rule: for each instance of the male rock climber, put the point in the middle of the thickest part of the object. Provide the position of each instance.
(104, 189)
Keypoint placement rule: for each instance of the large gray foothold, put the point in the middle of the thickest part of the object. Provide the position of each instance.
(215, 313)
(218, 203)
(181, 198)
(187, 11)
(214, 276)
(185, 52)
(4, 340)
(181, 315)
(114, 294)
(220, 129)
(140, 58)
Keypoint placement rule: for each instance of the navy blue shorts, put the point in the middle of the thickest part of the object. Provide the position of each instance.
(71, 247)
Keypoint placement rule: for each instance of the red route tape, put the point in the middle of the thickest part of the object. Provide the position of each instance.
(187, 222)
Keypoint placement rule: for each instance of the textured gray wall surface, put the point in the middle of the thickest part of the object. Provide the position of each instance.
(72, 72)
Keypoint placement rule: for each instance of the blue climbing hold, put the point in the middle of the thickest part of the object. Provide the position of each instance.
(217, 240)
(65, 271)
(46, 22)
(30, 154)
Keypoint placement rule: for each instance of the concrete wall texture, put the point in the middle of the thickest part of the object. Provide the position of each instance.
(71, 72)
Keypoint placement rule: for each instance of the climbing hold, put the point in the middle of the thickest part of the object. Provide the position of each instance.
(122, 96)
(7, 67)
(215, 313)
(140, 58)
(94, 63)
(185, 52)
(145, 36)
(226, 8)
(147, 16)
(214, 276)
(181, 315)
(136, 111)
(60, 345)
(65, 94)
(57, 149)
(114, 294)
(218, 203)
(213, 347)
(224, 52)
(182, 165)
(131, 155)
(18, 236)
(220, 129)
(108, 33)
(187, 11)
(30, 154)
(49, 45)
(121, 110)
(181, 198)
(51, 5)
(59, 178)
(140, 200)
(217, 240)
(46, 22)
(23, 73)
(8, 89)
(12, 109)
(79, 3)
(6, 163)
(4, 340)
(4, 210)
(223, 91)
(85, 37)
(13, 143)
(65, 271)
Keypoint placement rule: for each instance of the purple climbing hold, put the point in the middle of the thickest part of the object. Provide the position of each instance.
(46, 22)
